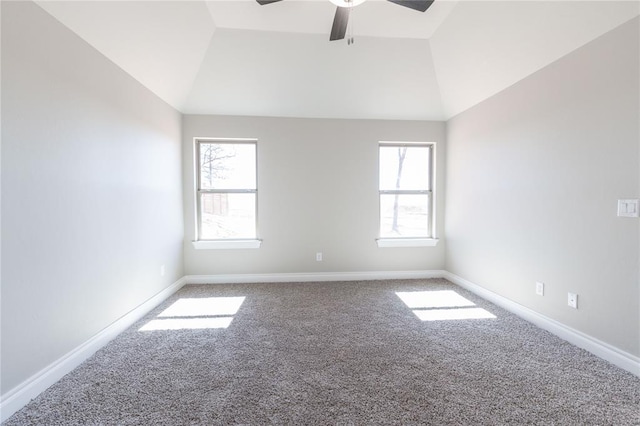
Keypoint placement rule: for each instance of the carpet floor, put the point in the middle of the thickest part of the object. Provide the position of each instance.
(370, 352)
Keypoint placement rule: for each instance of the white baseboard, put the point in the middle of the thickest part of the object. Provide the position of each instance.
(620, 358)
(311, 277)
(19, 396)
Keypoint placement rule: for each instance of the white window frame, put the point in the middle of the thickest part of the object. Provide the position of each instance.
(222, 243)
(430, 240)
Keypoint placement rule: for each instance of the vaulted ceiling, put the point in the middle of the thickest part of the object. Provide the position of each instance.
(237, 57)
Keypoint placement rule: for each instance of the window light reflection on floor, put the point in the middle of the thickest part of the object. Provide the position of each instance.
(201, 307)
(433, 299)
(440, 305)
(187, 323)
(452, 314)
(196, 314)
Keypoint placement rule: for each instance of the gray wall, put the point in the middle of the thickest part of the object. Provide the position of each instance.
(91, 192)
(317, 191)
(533, 175)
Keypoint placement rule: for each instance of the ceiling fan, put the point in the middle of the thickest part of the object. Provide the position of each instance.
(341, 19)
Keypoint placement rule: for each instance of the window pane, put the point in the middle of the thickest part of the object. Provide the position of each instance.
(227, 166)
(227, 216)
(404, 215)
(405, 168)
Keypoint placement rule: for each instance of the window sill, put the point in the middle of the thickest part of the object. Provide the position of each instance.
(226, 244)
(407, 242)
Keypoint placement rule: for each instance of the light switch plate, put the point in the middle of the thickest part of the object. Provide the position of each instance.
(628, 208)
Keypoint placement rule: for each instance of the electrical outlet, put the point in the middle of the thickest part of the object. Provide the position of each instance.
(162, 270)
(572, 300)
(539, 288)
(319, 257)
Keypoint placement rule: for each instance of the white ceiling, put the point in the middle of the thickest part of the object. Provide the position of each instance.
(237, 57)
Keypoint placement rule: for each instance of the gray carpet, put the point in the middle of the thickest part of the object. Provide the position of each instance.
(339, 353)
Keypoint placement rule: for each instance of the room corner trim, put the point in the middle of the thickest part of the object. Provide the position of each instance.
(311, 277)
(620, 358)
(20, 395)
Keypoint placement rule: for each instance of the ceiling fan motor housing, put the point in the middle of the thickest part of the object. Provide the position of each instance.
(341, 18)
(347, 3)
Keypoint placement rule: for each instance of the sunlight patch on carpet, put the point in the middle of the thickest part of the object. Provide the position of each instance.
(203, 307)
(452, 314)
(442, 305)
(433, 299)
(187, 323)
(196, 314)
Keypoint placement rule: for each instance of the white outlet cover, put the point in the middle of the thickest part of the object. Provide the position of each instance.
(572, 300)
(628, 208)
(540, 289)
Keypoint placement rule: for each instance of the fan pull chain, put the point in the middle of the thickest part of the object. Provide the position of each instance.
(352, 31)
(350, 40)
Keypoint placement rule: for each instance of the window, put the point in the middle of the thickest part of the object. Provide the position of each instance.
(406, 193)
(226, 190)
